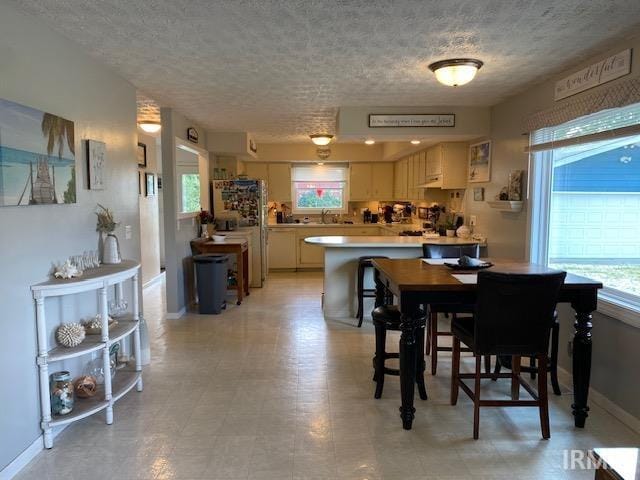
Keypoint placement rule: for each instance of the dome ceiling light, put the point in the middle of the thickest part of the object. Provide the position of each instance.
(321, 139)
(369, 141)
(455, 71)
(415, 142)
(150, 126)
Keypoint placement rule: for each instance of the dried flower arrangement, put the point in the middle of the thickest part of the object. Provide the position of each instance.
(106, 222)
(205, 217)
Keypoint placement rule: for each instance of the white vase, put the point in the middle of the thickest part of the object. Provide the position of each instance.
(451, 233)
(204, 232)
(111, 250)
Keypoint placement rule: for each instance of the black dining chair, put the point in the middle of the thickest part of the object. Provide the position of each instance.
(514, 315)
(444, 251)
(361, 292)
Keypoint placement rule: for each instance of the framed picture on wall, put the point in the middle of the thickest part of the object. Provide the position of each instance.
(150, 184)
(142, 155)
(96, 160)
(480, 162)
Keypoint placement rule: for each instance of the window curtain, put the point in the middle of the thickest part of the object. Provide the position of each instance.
(619, 94)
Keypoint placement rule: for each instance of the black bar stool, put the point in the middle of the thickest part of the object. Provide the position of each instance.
(387, 317)
(363, 264)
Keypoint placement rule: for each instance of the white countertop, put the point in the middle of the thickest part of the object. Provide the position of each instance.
(401, 226)
(382, 241)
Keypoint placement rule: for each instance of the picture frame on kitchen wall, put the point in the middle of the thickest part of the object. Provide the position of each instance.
(142, 155)
(96, 164)
(480, 162)
(149, 185)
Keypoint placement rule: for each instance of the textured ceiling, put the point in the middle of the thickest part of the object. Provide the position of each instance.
(281, 68)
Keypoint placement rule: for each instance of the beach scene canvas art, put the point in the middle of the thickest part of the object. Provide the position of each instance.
(37, 157)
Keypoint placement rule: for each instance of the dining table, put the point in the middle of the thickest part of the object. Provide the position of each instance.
(416, 282)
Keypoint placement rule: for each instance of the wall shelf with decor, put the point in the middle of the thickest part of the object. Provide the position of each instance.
(114, 386)
(506, 205)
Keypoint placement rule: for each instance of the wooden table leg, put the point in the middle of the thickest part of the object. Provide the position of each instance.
(240, 276)
(245, 272)
(408, 347)
(582, 359)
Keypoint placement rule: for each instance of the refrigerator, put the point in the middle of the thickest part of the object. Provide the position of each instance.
(246, 201)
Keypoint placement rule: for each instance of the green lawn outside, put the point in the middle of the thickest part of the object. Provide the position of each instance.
(621, 277)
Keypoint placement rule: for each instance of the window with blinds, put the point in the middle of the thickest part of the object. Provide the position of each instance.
(586, 199)
(318, 187)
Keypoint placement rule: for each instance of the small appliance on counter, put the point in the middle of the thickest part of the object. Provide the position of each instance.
(226, 223)
(366, 216)
(280, 217)
(388, 214)
(374, 218)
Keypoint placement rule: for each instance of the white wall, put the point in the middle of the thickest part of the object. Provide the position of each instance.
(149, 214)
(615, 349)
(43, 70)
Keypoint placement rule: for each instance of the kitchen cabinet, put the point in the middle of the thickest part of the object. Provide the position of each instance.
(257, 170)
(282, 248)
(447, 166)
(360, 181)
(279, 182)
(382, 181)
(400, 176)
(312, 256)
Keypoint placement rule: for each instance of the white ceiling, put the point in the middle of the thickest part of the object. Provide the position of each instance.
(281, 68)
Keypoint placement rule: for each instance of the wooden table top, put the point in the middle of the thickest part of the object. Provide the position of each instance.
(412, 274)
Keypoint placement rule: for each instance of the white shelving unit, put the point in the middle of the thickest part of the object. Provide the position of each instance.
(99, 279)
(506, 205)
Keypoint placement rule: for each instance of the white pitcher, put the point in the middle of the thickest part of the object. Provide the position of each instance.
(111, 251)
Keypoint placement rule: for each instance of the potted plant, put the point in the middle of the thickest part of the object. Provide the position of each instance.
(107, 225)
(450, 228)
(205, 219)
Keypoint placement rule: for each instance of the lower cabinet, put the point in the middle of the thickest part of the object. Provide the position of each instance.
(282, 248)
(312, 256)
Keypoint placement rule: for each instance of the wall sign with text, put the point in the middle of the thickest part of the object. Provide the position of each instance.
(412, 120)
(601, 72)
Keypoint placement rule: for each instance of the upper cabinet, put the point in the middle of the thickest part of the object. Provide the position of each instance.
(446, 166)
(371, 181)
(279, 182)
(400, 179)
(382, 181)
(360, 181)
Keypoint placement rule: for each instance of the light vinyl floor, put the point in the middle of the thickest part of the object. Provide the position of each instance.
(270, 390)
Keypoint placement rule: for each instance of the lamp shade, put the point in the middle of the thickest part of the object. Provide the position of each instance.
(321, 139)
(150, 126)
(455, 72)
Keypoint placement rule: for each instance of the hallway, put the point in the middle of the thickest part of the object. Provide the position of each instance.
(269, 390)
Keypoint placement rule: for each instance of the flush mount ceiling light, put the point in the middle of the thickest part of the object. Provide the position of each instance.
(150, 126)
(415, 142)
(456, 71)
(369, 141)
(321, 139)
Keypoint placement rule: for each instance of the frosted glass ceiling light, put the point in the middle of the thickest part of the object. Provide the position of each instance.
(456, 71)
(321, 139)
(415, 142)
(369, 141)
(150, 127)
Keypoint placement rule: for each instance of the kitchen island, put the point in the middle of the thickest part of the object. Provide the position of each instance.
(341, 255)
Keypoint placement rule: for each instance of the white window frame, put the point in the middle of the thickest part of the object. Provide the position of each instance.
(199, 166)
(317, 210)
(611, 302)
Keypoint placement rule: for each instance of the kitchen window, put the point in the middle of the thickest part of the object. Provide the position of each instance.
(585, 191)
(318, 187)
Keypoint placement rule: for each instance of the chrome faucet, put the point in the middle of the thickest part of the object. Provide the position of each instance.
(323, 214)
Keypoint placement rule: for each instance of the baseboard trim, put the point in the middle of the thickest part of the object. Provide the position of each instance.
(566, 379)
(157, 279)
(22, 460)
(176, 315)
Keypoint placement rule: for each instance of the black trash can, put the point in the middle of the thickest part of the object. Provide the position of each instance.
(211, 275)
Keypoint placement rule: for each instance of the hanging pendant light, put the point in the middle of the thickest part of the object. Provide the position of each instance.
(321, 139)
(455, 71)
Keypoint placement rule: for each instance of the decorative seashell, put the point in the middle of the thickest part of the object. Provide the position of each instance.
(70, 334)
(85, 386)
(94, 325)
(68, 270)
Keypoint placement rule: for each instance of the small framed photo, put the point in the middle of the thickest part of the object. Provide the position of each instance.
(96, 164)
(139, 183)
(480, 162)
(142, 155)
(150, 184)
(478, 194)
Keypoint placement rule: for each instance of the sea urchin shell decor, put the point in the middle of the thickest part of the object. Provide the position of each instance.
(67, 270)
(70, 334)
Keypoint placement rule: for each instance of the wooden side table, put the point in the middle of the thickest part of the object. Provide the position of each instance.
(234, 246)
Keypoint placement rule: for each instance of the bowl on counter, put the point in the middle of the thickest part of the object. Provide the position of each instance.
(218, 238)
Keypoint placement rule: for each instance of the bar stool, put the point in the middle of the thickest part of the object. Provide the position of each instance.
(363, 264)
(387, 317)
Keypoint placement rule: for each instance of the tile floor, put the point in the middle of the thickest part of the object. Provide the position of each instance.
(270, 390)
